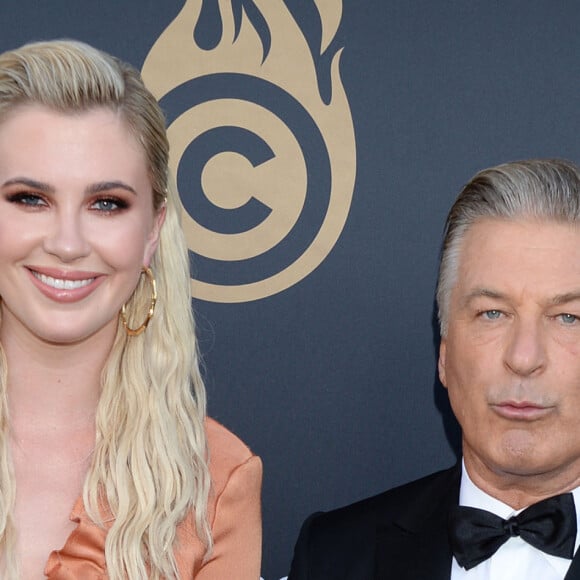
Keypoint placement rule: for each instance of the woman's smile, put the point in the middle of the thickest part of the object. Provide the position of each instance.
(67, 287)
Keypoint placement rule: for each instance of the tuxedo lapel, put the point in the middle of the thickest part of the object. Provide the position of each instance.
(415, 545)
(574, 570)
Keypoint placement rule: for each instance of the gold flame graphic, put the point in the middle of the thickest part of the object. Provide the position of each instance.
(228, 179)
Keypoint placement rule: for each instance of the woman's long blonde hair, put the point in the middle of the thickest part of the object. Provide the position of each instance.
(150, 463)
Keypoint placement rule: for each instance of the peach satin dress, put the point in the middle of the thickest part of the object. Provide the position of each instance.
(233, 511)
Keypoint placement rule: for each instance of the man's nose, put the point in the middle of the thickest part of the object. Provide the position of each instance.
(66, 238)
(525, 350)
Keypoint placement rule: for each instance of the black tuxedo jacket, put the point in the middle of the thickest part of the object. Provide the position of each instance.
(398, 535)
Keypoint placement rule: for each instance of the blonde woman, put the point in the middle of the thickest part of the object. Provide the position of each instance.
(108, 466)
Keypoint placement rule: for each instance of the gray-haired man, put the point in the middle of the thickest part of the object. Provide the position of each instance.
(509, 309)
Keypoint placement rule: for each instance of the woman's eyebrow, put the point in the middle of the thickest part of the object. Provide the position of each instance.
(32, 183)
(103, 186)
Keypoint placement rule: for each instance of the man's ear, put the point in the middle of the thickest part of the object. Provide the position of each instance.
(153, 238)
(442, 361)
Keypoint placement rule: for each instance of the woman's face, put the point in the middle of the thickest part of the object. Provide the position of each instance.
(76, 222)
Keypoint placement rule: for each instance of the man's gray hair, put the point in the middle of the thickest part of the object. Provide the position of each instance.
(542, 189)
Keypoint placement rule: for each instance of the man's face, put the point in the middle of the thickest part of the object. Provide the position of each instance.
(511, 357)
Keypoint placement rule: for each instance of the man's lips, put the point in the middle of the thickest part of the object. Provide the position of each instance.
(521, 410)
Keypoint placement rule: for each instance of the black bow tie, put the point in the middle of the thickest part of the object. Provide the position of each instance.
(549, 525)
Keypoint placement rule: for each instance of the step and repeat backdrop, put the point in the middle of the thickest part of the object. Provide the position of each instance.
(317, 146)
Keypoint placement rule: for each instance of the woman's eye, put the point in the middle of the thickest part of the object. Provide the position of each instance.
(27, 199)
(108, 205)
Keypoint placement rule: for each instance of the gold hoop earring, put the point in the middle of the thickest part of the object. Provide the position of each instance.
(136, 331)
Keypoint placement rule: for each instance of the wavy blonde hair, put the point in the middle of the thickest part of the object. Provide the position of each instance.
(149, 470)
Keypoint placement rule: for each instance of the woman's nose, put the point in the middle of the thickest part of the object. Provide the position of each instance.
(66, 238)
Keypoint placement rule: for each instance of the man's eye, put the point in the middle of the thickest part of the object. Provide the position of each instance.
(567, 318)
(491, 314)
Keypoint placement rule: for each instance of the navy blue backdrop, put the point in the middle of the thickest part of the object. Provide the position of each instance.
(333, 379)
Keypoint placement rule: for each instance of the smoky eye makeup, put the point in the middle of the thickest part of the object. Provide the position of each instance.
(109, 204)
(27, 199)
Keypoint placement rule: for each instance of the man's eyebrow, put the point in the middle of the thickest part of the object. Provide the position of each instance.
(31, 183)
(103, 186)
(556, 300)
(564, 298)
(481, 293)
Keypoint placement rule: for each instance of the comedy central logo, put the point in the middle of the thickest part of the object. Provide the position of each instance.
(262, 141)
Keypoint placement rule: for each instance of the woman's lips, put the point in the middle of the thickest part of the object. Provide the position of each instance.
(62, 283)
(65, 287)
(521, 410)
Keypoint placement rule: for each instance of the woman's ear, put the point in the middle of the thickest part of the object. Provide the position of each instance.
(153, 238)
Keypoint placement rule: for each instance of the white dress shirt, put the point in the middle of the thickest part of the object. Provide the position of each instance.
(516, 559)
